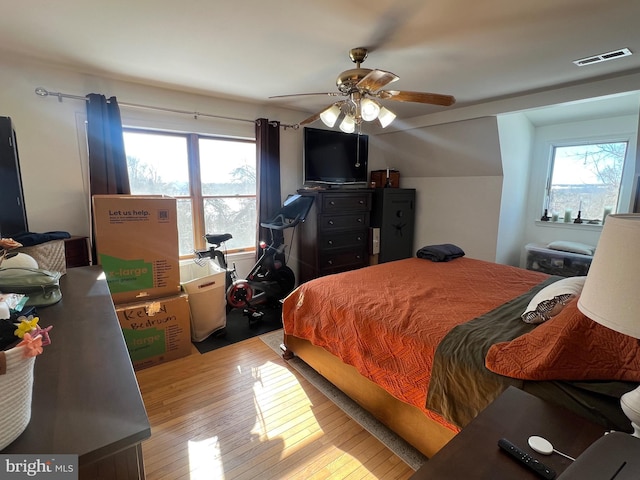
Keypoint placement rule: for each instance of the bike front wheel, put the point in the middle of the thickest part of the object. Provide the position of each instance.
(286, 280)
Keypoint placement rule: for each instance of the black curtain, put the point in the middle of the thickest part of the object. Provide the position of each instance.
(107, 158)
(268, 174)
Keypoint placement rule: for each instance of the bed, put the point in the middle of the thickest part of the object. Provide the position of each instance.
(424, 346)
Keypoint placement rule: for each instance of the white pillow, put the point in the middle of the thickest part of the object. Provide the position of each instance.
(550, 301)
(572, 247)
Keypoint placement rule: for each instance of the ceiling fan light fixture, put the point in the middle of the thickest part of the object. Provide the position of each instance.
(348, 124)
(369, 109)
(330, 115)
(385, 117)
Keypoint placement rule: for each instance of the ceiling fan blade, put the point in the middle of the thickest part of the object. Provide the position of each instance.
(418, 97)
(311, 119)
(329, 94)
(375, 80)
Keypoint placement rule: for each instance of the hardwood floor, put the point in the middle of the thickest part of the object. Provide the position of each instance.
(240, 412)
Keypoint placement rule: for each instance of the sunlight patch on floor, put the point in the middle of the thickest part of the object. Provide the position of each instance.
(205, 460)
(304, 430)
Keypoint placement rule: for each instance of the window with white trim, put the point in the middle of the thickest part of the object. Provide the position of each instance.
(212, 178)
(586, 178)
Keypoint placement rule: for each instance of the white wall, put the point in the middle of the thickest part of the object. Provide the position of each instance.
(516, 140)
(459, 210)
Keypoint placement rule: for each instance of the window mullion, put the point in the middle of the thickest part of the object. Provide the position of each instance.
(195, 186)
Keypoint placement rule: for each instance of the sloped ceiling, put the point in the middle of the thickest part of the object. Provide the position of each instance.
(437, 151)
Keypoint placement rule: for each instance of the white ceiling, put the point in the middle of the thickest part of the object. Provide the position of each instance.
(254, 49)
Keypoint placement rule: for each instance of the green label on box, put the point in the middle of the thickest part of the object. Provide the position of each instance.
(146, 343)
(127, 275)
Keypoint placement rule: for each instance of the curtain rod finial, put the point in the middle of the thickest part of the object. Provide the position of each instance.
(42, 92)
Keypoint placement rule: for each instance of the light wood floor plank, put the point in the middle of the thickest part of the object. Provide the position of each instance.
(241, 412)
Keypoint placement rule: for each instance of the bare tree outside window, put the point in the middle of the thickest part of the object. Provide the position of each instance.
(219, 179)
(586, 178)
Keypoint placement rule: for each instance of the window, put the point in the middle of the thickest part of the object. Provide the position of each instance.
(586, 178)
(213, 180)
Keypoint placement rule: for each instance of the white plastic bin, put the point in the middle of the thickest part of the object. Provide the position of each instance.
(205, 287)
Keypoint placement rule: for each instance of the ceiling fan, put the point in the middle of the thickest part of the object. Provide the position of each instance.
(362, 87)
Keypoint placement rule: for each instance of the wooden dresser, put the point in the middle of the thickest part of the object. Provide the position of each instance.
(86, 399)
(334, 236)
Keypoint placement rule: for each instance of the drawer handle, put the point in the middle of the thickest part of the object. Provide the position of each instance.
(332, 202)
(359, 220)
(358, 257)
(330, 242)
(330, 262)
(361, 202)
(359, 239)
(330, 222)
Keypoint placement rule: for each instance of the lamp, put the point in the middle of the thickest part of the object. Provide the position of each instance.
(356, 109)
(330, 115)
(611, 292)
(385, 117)
(369, 109)
(348, 124)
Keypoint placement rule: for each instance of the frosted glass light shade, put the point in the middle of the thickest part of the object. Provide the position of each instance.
(385, 117)
(610, 294)
(369, 109)
(348, 124)
(330, 115)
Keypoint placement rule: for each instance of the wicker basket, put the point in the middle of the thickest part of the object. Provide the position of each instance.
(16, 386)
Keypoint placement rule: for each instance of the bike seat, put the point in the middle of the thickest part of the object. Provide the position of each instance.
(217, 238)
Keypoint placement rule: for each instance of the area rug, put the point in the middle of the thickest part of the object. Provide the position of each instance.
(397, 445)
(239, 328)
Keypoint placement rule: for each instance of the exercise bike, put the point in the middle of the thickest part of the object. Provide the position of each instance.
(270, 279)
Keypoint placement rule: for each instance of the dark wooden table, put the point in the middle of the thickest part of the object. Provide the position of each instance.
(515, 415)
(86, 399)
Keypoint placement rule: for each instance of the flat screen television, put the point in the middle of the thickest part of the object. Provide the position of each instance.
(335, 158)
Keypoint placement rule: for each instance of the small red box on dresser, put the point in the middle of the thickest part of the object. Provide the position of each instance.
(379, 178)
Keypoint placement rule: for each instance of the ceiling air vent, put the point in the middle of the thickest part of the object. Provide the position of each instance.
(603, 57)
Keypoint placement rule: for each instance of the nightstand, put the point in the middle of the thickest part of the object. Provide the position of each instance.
(76, 251)
(515, 415)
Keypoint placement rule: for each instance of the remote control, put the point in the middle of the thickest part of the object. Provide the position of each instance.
(526, 459)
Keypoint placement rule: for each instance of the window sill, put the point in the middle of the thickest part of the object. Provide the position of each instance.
(576, 226)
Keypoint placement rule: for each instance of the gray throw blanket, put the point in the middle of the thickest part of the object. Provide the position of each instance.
(440, 253)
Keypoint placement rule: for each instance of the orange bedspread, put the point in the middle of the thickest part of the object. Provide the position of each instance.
(387, 320)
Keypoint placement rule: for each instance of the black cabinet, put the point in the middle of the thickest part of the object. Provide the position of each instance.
(334, 236)
(13, 215)
(393, 213)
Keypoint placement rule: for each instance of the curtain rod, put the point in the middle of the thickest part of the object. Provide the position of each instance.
(46, 93)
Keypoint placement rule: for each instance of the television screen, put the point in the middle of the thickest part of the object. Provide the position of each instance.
(336, 158)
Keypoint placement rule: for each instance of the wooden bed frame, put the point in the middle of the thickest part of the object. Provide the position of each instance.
(408, 421)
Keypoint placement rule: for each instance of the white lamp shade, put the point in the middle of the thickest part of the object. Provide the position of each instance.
(348, 124)
(369, 109)
(385, 117)
(330, 115)
(611, 293)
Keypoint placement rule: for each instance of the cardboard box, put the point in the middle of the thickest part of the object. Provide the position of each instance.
(379, 178)
(156, 331)
(137, 245)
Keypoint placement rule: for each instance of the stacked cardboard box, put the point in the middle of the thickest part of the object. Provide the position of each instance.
(137, 246)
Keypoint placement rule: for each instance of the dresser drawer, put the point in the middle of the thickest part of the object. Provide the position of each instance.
(340, 203)
(347, 240)
(341, 261)
(341, 222)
